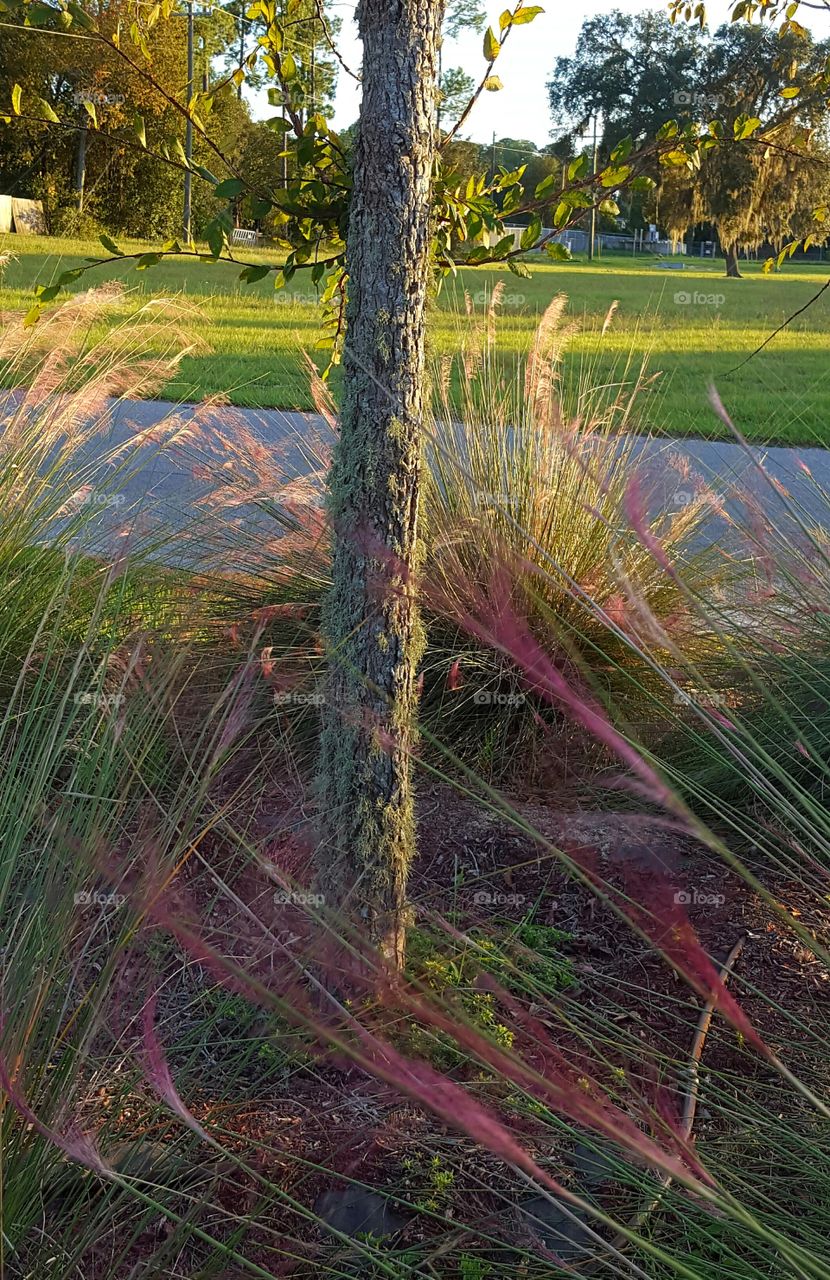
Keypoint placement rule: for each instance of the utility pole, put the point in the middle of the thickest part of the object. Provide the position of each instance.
(591, 246)
(188, 138)
(241, 47)
(313, 67)
(80, 167)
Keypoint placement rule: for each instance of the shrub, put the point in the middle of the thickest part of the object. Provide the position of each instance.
(517, 483)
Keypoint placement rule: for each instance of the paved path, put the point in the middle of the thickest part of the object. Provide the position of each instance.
(161, 488)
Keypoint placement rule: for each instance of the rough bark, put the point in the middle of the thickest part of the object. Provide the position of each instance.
(371, 627)
(730, 253)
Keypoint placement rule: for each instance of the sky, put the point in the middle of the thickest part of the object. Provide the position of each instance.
(521, 109)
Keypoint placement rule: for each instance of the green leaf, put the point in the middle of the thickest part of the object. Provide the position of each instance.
(531, 234)
(288, 67)
(46, 112)
(260, 207)
(562, 214)
(615, 177)
(110, 245)
(622, 150)
(518, 268)
(791, 91)
(148, 260)
(215, 236)
(80, 16)
(39, 15)
(229, 188)
(609, 206)
(506, 20)
(577, 168)
(492, 84)
(675, 159)
(251, 274)
(547, 184)
(17, 94)
(559, 252)
(745, 126)
(578, 199)
(491, 45)
(527, 15)
(139, 130)
(667, 130)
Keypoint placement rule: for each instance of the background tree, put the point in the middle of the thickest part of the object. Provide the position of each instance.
(92, 164)
(515, 153)
(455, 85)
(765, 84)
(454, 94)
(640, 72)
(628, 69)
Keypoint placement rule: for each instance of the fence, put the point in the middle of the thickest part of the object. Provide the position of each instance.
(577, 242)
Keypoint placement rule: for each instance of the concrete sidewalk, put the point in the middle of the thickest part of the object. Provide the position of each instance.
(163, 491)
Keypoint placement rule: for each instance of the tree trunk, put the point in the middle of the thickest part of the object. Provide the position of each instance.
(730, 253)
(370, 621)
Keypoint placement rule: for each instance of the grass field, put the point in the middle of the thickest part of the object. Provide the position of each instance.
(256, 337)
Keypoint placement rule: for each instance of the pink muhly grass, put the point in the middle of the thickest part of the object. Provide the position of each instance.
(74, 1143)
(454, 1104)
(158, 1074)
(240, 699)
(500, 627)
(652, 905)
(454, 677)
(635, 510)
(546, 1075)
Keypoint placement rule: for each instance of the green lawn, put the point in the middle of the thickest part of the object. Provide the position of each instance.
(257, 337)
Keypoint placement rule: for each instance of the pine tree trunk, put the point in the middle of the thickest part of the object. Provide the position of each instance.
(730, 253)
(371, 627)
